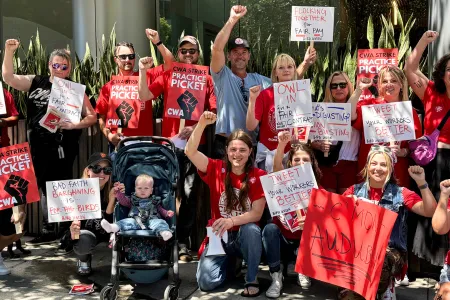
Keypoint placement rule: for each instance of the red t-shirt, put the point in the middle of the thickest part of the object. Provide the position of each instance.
(265, 114)
(145, 125)
(401, 167)
(11, 110)
(171, 126)
(409, 197)
(436, 106)
(215, 179)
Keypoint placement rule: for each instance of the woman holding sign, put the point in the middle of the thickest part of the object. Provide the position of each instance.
(393, 87)
(237, 204)
(278, 239)
(47, 148)
(380, 188)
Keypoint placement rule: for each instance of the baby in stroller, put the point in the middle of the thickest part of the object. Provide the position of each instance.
(145, 209)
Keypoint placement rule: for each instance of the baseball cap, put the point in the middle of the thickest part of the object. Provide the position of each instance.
(238, 42)
(98, 157)
(188, 39)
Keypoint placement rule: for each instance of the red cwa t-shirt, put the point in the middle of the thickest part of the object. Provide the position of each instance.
(215, 179)
(436, 107)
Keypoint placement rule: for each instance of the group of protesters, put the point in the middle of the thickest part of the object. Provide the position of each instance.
(246, 146)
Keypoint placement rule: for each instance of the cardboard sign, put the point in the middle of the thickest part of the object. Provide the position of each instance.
(293, 106)
(70, 200)
(17, 180)
(288, 190)
(301, 134)
(370, 61)
(187, 93)
(332, 122)
(312, 23)
(2, 101)
(344, 244)
(124, 104)
(388, 122)
(67, 98)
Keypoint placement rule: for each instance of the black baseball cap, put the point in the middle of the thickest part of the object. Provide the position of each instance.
(238, 42)
(98, 157)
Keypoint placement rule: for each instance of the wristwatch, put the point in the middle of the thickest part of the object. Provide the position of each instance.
(424, 186)
(158, 43)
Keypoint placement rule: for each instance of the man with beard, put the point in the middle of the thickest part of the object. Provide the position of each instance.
(188, 53)
(125, 58)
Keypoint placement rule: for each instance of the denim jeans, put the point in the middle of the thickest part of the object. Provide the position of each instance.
(246, 243)
(156, 225)
(277, 246)
(445, 274)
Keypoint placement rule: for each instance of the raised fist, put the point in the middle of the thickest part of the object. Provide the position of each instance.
(207, 118)
(152, 35)
(254, 92)
(237, 12)
(11, 45)
(364, 83)
(124, 111)
(17, 187)
(187, 103)
(145, 63)
(430, 36)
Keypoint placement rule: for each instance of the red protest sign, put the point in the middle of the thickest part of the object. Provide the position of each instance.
(343, 243)
(17, 180)
(187, 93)
(124, 103)
(370, 61)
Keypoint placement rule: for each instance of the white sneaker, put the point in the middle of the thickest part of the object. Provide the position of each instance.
(3, 269)
(274, 290)
(303, 281)
(404, 282)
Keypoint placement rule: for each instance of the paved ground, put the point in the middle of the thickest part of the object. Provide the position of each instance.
(42, 275)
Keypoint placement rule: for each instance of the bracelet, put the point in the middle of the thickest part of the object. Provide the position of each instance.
(158, 43)
(422, 187)
(232, 221)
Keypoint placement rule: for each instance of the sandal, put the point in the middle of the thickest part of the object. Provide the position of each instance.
(248, 285)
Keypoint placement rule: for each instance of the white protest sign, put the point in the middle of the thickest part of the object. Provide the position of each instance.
(77, 199)
(67, 98)
(332, 122)
(293, 106)
(388, 122)
(289, 190)
(2, 101)
(312, 23)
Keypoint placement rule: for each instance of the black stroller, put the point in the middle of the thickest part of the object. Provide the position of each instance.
(154, 156)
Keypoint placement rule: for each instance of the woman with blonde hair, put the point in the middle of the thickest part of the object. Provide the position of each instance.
(261, 108)
(393, 87)
(340, 168)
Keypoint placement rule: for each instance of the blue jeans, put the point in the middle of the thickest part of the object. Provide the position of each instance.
(212, 270)
(156, 225)
(275, 244)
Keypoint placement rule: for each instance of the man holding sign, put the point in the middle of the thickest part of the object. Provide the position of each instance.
(186, 87)
(57, 149)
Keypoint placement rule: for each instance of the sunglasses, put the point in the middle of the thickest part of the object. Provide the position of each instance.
(61, 67)
(191, 51)
(244, 91)
(125, 56)
(381, 148)
(97, 169)
(342, 85)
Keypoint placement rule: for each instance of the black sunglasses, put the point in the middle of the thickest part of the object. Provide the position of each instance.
(191, 51)
(342, 85)
(244, 91)
(124, 56)
(97, 169)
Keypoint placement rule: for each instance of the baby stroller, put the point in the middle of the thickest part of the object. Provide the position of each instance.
(154, 156)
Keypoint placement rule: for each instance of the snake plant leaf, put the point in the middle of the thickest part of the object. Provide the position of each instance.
(153, 53)
(382, 39)
(370, 32)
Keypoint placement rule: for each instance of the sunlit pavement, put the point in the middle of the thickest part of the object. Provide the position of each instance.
(42, 275)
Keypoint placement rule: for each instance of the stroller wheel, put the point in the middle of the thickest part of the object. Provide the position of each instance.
(105, 294)
(171, 292)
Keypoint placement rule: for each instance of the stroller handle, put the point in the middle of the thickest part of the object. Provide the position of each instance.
(150, 139)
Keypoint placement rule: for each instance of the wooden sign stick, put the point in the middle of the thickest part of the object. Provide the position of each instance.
(325, 154)
(182, 122)
(311, 44)
(16, 218)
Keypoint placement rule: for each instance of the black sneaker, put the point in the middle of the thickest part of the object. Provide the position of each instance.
(84, 267)
(42, 240)
(184, 254)
(64, 249)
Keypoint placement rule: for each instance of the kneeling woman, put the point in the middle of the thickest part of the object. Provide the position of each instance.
(380, 188)
(237, 203)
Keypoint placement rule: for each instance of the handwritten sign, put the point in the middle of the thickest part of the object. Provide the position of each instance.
(344, 244)
(293, 106)
(312, 23)
(124, 104)
(2, 101)
(67, 98)
(332, 121)
(370, 62)
(388, 122)
(70, 200)
(17, 180)
(187, 92)
(288, 190)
